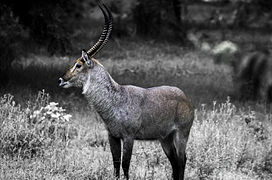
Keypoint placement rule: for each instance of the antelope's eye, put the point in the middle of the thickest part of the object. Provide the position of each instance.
(78, 65)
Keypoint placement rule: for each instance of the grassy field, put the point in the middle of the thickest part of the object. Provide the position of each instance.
(39, 140)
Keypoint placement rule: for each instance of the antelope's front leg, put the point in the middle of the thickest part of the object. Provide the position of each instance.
(127, 151)
(115, 146)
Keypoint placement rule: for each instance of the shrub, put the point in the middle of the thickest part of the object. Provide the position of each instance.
(225, 140)
(158, 18)
(26, 132)
(10, 32)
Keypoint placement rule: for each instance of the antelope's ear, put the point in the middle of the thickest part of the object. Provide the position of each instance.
(86, 59)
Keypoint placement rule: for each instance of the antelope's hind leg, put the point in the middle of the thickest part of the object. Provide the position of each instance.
(127, 151)
(169, 150)
(174, 146)
(180, 142)
(115, 146)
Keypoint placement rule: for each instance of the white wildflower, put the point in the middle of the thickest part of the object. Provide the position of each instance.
(49, 112)
(67, 117)
(53, 104)
(36, 113)
(55, 115)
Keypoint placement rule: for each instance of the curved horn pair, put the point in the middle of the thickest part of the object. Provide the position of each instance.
(104, 37)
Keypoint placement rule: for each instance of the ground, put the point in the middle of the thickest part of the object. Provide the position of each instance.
(229, 139)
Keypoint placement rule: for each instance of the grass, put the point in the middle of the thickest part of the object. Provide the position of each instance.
(225, 143)
(228, 140)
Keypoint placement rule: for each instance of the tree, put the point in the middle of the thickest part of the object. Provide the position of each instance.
(159, 18)
(10, 30)
(46, 22)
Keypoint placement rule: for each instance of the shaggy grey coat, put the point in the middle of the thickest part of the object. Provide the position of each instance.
(133, 113)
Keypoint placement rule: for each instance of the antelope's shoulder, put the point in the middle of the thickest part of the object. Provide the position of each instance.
(130, 89)
(168, 91)
(132, 93)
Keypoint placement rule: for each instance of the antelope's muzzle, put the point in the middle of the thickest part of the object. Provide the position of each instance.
(62, 83)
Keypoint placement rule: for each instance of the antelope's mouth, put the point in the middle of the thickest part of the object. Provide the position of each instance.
(63, 83)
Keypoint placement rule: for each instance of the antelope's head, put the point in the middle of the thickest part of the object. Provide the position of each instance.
(78, 73)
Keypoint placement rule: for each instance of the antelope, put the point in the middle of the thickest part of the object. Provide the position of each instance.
(254, 75)
(252, 69)
(132, 113)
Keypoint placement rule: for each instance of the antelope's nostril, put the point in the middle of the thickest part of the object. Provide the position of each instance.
(60, 80)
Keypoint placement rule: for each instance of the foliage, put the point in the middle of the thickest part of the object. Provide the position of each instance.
(158, 18)
(25, 132)
(10, 31)
(225, 143)
(123, 17)
(26, 25)
(47, 22)
(225, 139)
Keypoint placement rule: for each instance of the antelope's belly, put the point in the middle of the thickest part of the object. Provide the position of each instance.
(154, 129)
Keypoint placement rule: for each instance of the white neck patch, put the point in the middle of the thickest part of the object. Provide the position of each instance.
(87, 84)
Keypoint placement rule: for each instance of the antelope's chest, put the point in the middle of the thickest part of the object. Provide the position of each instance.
(115, 128)
(123, 123)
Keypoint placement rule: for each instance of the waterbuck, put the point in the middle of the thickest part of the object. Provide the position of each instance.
(133, 113)
(252, 68)
(252, 72)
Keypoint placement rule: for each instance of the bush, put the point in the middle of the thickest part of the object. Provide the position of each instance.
(229, 141)
(49, 24)
(26, 132)
(10, 32)
(158, 18)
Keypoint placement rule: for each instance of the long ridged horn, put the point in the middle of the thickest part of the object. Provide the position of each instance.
(104, 37)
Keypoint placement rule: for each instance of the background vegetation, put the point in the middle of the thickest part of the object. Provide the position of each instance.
(40, 39)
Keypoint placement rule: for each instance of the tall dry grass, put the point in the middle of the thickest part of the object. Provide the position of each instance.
(225, 143)
(26, 132)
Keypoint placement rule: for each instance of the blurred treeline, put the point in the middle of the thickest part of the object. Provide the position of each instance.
(31, 25)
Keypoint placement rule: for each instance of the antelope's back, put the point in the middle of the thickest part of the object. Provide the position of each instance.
(168, 93)
(167, 102)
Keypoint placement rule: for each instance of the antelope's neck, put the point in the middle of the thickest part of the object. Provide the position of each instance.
(104, 94)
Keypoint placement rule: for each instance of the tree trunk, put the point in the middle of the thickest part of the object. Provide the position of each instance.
(160, 18)
(6, 58)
